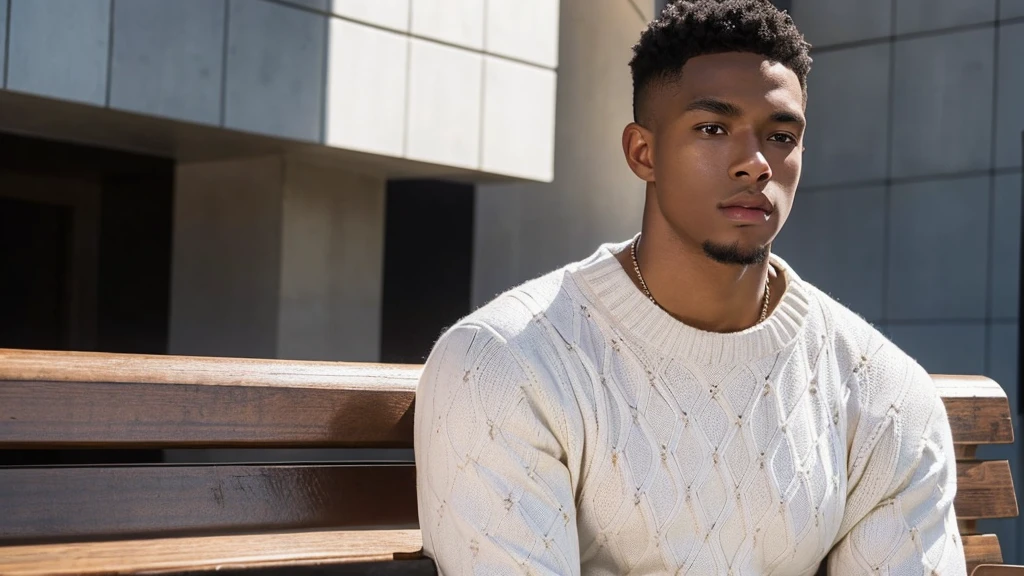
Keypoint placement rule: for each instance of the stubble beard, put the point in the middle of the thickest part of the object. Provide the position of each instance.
(734, 254)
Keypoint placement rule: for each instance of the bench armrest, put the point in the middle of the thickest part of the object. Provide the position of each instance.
(998, 570)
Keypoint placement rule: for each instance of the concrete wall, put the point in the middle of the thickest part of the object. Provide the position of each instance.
(524, 230)
(465, 83)
(226, 259)
(331, 272)
(909, 208)
(276, 259)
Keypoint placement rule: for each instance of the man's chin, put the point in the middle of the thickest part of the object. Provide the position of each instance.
(736, 253)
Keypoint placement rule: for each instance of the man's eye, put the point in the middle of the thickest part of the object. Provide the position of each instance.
(711, 130)
(783, 138)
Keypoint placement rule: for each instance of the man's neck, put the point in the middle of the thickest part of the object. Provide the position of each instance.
(697, 290)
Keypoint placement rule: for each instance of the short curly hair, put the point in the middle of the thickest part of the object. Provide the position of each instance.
(690, 28)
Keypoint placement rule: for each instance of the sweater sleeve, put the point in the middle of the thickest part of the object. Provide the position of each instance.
(902, 474)
(495, 493)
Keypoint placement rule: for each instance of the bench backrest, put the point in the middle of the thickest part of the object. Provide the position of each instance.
(979, 414)
(82, 401)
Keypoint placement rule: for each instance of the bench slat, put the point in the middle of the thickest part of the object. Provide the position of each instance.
(145, 415)
(981, 549)
(153, 415)
(286, 551)
(91, 502)
(59, 366)
(984, 490)
(120, 500)
(81, 399)
(978, 410)
(289, 549)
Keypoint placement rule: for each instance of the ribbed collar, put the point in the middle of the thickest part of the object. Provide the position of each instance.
(627, 306)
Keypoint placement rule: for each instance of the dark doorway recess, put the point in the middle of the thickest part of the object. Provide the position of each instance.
(85, 233)
(428, 260)
(34, 257)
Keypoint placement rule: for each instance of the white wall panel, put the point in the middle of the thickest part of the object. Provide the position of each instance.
(519, 120)
(523, 29)
(366, 87)
(444, 105)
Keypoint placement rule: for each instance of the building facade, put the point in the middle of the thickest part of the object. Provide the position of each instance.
(253, 143)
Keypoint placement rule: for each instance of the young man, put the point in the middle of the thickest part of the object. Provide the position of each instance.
(683, 402)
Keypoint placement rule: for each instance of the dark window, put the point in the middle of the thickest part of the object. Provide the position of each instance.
(87, 233)
(35, 250)
(428, 259)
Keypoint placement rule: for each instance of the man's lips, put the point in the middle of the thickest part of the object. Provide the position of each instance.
(749, 209)
(745, 215)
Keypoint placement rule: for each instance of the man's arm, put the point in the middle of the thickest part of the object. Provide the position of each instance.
(902, 475)
(495, 493)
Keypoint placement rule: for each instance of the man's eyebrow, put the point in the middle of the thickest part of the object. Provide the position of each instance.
(783, 117)
(723, 108)
(714, 106)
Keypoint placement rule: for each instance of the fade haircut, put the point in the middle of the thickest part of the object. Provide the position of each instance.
(690, 28)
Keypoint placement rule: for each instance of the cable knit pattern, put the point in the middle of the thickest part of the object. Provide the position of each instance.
(573, 427)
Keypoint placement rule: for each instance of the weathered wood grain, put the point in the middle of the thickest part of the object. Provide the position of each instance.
(101, 502)
(69, 400)
(76, 399)
(984, 490)
(288, 551)
(981, 549)
(978, 410)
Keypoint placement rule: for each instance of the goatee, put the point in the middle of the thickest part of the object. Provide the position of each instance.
(733, 254)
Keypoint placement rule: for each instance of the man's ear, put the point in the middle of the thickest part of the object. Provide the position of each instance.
(637, 145)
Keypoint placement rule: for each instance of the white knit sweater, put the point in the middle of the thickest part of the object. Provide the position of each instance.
(571, 426)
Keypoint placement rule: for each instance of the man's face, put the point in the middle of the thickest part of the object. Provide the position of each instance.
(726, 154)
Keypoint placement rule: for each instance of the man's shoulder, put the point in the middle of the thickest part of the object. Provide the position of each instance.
(555, 296)
(858, 344)
(509, 315)
(842, 321)
(512, 338)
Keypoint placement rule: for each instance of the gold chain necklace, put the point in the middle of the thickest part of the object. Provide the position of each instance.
(640, 277)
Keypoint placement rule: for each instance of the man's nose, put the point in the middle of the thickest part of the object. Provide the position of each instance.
(753, 167)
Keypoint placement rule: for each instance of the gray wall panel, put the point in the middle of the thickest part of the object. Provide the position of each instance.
(60, 49)
(828, 22)
(931, 225)
(320, 5)
(924, 15)
(4, 6)
(942, 113)
(1006, 228)
(1010, 102)
(168, 58)
(1011, 9)
(275, 70)
(835, 239)
(851, 146)
(943, 348)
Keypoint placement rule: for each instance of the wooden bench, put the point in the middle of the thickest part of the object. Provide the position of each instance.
(260, 517)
